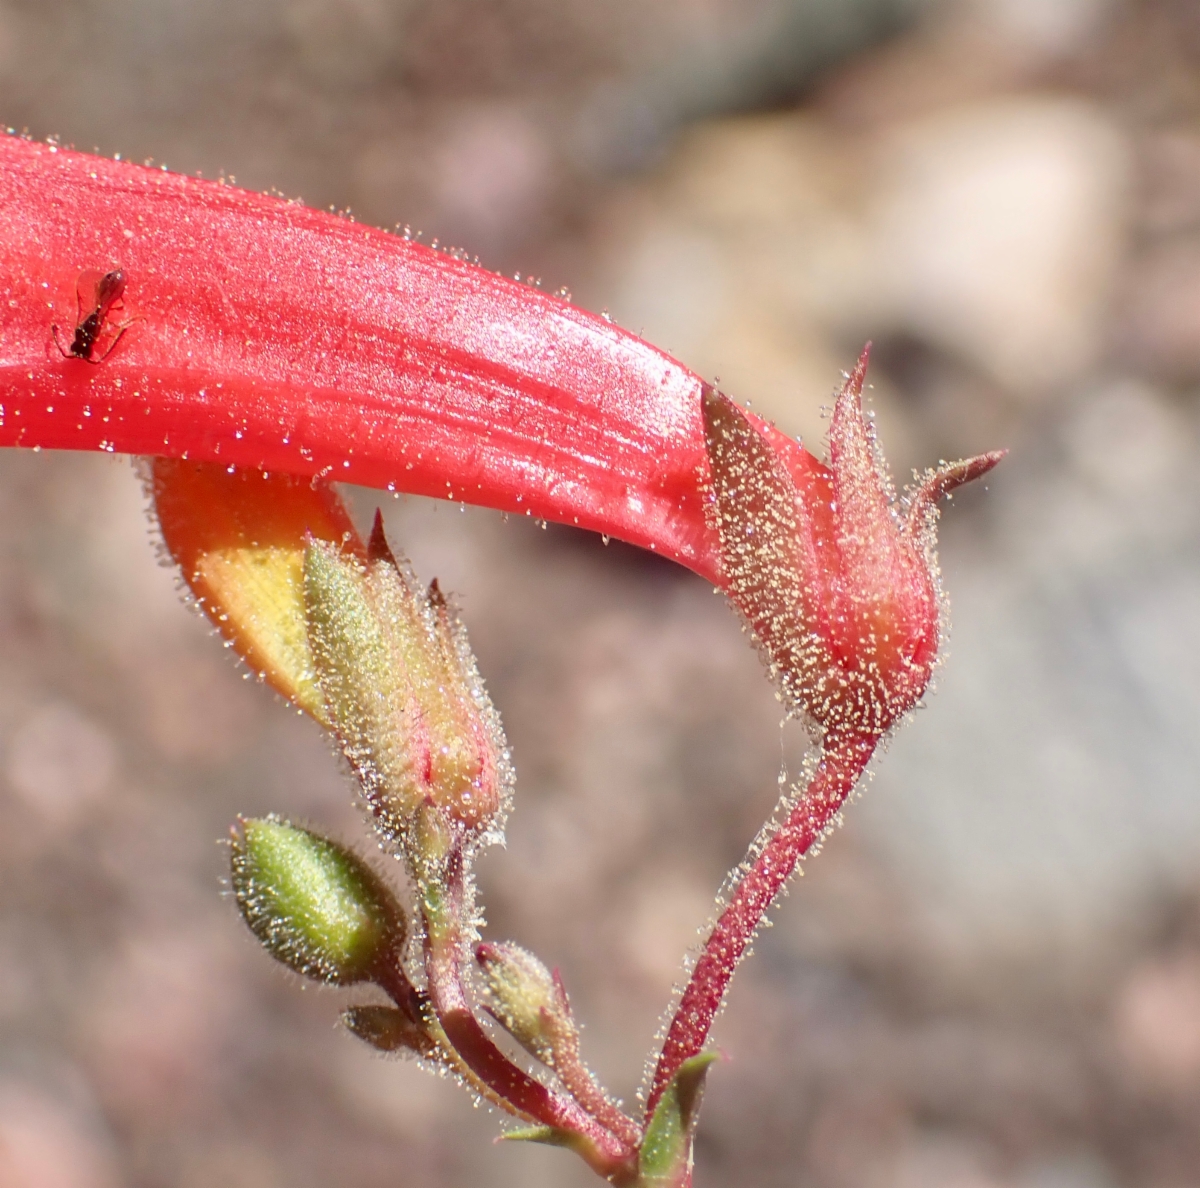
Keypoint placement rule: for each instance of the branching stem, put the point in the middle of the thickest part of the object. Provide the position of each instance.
(524, 1096)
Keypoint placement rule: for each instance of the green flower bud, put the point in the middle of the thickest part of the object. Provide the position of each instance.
(315, 905)
(526, 999)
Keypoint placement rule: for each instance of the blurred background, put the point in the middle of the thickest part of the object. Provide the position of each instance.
(991, 976)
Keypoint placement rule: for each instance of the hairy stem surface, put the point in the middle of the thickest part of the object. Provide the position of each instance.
(843, 760)
(452, 1007)
(583, 1087)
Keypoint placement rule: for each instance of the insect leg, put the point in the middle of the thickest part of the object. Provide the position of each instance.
(112, 346)
(66, 354)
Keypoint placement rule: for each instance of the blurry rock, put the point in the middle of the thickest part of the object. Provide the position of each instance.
(492, 175)
(346, 41)
(9, 40)
(156, 1022)
(949, 62)
(45, 1143)
(396, 1095)
(854, 1137)
(99, 576)
(992, 232)
(961, 53)
(849, 909)
(232, 1165)
(18, 985)
(731, 257)
(997, 231)
(1170, 160)
(1152, 436)
(1052, 778)
(60, 762)
(669, 918)
(718, 57)
(197, 704)
(943, 1161)
(1156, 1020)
(1042, 28)
(1160, 326)
(1068, 1171)
(955, 410)
(386, 177)
(477, 177)
(1161, 330)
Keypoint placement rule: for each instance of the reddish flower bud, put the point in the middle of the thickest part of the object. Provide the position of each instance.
(837, 582)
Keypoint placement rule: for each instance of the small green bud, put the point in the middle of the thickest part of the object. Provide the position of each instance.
(526, 999)
(315, 905)
(389, 1030)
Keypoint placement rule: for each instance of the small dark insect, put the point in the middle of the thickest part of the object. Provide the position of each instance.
(98, 294)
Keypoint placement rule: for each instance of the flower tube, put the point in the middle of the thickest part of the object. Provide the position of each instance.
(263, 334)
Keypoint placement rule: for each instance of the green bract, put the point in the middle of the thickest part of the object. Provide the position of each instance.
(315, 906)
(389, 1030)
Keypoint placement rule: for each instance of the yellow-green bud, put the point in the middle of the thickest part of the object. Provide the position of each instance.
(365, 690)
(526, 999)
(402, 691)
(314, 904)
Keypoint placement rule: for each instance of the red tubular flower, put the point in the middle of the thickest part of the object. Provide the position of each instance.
(285, 339)
(223, 326)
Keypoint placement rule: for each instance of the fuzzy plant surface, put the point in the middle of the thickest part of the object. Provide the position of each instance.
(256, 351)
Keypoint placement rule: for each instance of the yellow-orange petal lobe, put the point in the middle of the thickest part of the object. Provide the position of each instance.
(239, 538)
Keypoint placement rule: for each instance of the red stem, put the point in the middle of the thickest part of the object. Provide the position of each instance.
(578, 1080)
(843, 760)
(443, 952)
